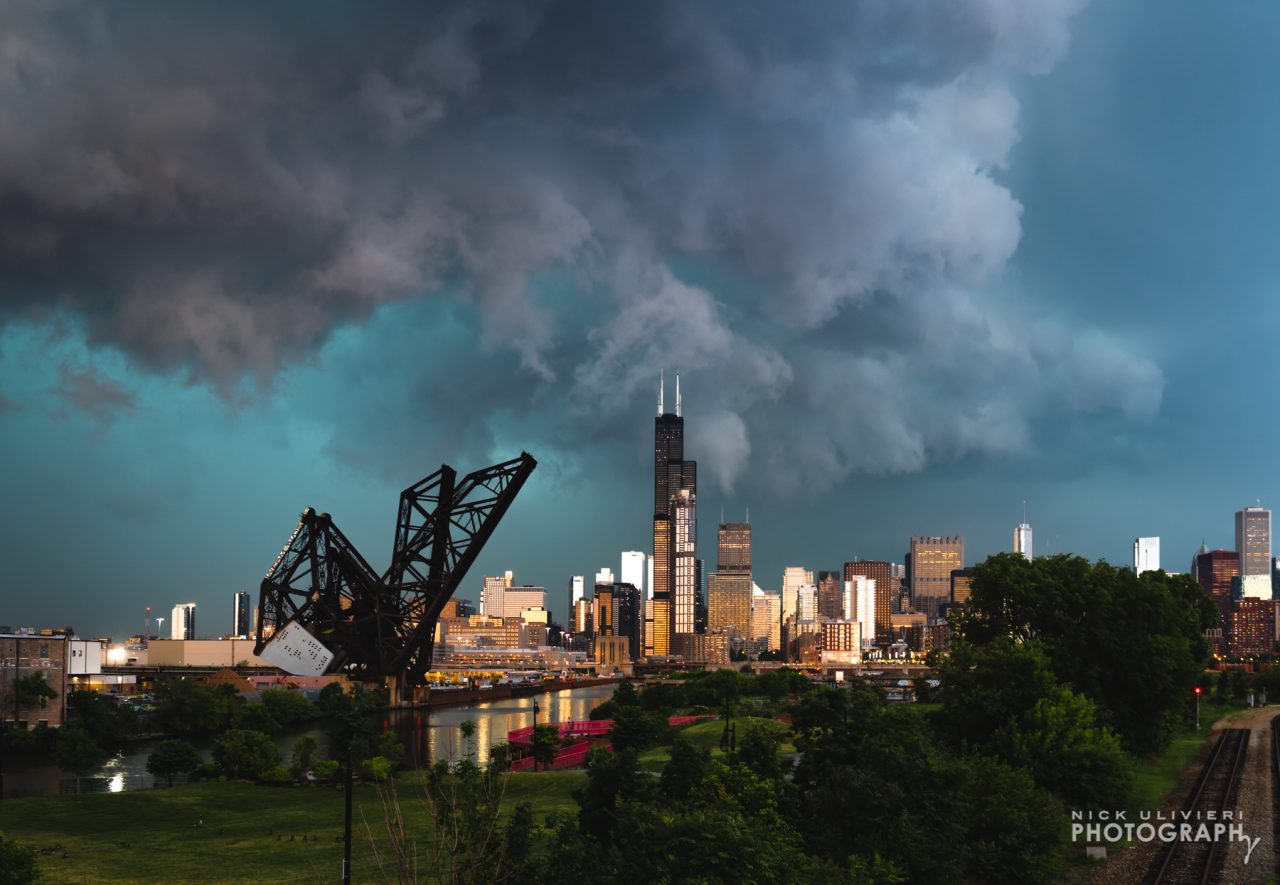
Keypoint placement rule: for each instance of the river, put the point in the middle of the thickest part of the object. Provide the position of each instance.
(427, 736)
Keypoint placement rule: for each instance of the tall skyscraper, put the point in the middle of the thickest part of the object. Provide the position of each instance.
(1253, 541)
(793, 578)
(1146, 555)
(491, 593)
(635, 570)
(729, 603)
(933, 558)
(182, 624)
(1022, 539)
(241, 612)
(577, 590)
(671, 475)
(684, 512)
(830, 596)
(888, 584)
(734, 548)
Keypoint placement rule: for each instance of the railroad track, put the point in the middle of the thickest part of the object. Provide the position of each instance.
(1214, 791)
(1275, 784)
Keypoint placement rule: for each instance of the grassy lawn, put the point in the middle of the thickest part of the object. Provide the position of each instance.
(151, 835)
(1154, 778)
(707, 736)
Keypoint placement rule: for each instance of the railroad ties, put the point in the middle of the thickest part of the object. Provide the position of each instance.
(1213, 792)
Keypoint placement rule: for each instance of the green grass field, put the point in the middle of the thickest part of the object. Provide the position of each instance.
(1155, 778)
(247, 833)
(707, 736)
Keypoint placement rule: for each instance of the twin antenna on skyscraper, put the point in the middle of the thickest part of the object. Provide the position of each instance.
(662, 389)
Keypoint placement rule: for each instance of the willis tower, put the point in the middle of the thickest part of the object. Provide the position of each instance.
(675, 486)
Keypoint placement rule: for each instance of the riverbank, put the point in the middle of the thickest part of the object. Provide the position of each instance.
(439, 698)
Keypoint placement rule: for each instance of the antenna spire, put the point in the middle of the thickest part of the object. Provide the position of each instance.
(1024, 511)
(662, 388)
(677, 394)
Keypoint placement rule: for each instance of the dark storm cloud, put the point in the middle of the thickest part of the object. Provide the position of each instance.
(218, 191)
(92, 393)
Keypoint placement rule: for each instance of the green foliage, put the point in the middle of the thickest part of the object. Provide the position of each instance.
(500, 758)
(286, 706)
(325, 769)
(17, 862)
(171, 758)
(378, 768)
(33, 690)
(333, 700)
(76, 751)
(277, 776)
(1134, 645)
(686, 770)
(184, 706)
(546, 742)
(240, 753)
(634, 728)
(873, 783)
(758, 749)
(105, 719)
(300, 757)
(255, 717)
(1003, 700)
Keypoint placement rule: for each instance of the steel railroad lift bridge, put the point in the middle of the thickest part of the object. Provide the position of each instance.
(322, 608)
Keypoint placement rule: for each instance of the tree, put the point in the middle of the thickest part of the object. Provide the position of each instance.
(17, 862)
(245, 753)
(758, 750)
(172, 758)
(333, 700)
(287, 706)
(546, 742)
(633, 728)
(468, 731)
(33, 691)
(75, 751)
(1134, 645)
(105, 719)
(686, 770)
(1003, 700)
(300, 758)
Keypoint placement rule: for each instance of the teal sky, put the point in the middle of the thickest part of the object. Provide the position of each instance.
(913, 268)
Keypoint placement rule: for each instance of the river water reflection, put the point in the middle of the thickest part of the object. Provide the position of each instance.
(426, 735)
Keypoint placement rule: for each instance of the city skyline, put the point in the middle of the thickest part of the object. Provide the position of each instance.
(897, 309)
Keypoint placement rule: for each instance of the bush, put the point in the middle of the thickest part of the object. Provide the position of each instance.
(378, 768)
(279, 776)
(241, 753)
(17, 862)
(172, 758)
(325, 769)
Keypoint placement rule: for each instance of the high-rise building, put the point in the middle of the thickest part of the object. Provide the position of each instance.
(516, 598)
(729, 603)
(830, 595)
(933, 558)
(1253, 541)
(671, 475)
(1022, 539)
(182, 623)
(684, 513)
(961, 586)
(491, 593)
(793, 578)
(765, 617)
(807, 602)
(860, 606)
(734, 548)
(635, 570)
(577, 590)
(1146, 555)
(241, 612)
(888, 582)
(1214, 569)
(605, 575)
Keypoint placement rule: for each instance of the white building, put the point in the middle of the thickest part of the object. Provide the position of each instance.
(516, 599)
(793, 577)
(766, 606)
(492, 592)
(860, 606)
(806, 602)
(1022, 539)
(635, 571)
(182, 624)
(605, 576)
(1146, 555)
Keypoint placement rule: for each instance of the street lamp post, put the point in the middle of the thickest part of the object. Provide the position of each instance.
(1197, 708)
(533, 736)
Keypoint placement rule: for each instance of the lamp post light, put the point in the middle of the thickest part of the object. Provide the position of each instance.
(533, 736)
(1197, 708)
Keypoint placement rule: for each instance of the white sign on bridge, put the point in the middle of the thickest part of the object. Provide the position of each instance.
(296, 651)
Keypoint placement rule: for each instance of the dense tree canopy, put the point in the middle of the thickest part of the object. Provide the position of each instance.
(1134, 645)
